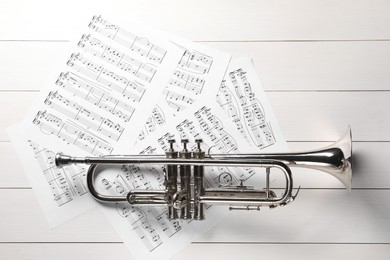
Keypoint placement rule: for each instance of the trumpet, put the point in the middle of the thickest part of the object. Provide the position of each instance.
(185, 195)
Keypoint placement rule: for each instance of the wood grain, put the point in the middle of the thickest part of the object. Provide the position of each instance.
(225, 20)
(117, 251)
(324, 65)
(281, 66)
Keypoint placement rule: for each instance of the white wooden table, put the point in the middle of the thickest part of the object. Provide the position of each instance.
(323, 64)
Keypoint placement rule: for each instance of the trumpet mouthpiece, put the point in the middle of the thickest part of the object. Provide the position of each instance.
(62, 159)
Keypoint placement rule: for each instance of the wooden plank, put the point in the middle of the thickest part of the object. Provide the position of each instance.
(12, 174)
(13, 107)
(370, 167)
(281, 66)
(303, 116)
(320, 116)
(283, 251)
(296, 66)
(60, 251)
(27, 65)
(317, 216)
(225, 20)
(23, 221)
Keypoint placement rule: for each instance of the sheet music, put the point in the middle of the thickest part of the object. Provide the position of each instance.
(145, 230)
(245, 103)
(61, 192)
(197, 75)
(92, 104)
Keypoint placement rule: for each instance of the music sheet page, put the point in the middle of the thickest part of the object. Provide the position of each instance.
(245, 103)
(62, 193)
(197, 76)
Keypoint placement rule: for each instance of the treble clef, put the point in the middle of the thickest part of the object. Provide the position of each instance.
(83, 39)
(94, 21)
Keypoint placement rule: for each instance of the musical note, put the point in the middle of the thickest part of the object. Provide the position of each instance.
(175, 98)
(224, 95)
(131, 90)
(163, 141)
(195, 62)
(139, 45)
(71, 134)
(187, 81)
(169, 227)
(156, 119)
(127, 63)
(244, 109)
(187, 129)
(66, 183)
(148, 150)
(138, 220)
(212, 126)
(95, 95)
(89, 119)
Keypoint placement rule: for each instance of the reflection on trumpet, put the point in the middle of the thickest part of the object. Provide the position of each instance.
(185, 195)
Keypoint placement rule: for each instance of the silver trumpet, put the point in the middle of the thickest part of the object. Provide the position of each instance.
(185, 194)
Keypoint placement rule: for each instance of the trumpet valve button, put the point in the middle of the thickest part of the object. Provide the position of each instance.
(198, 143)
(184, 142)
(171, 142)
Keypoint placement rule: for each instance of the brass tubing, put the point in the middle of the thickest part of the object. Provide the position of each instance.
(198, 183)
(185, 181)
(171, 180)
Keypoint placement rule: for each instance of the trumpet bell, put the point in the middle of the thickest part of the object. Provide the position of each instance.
(343, 170)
